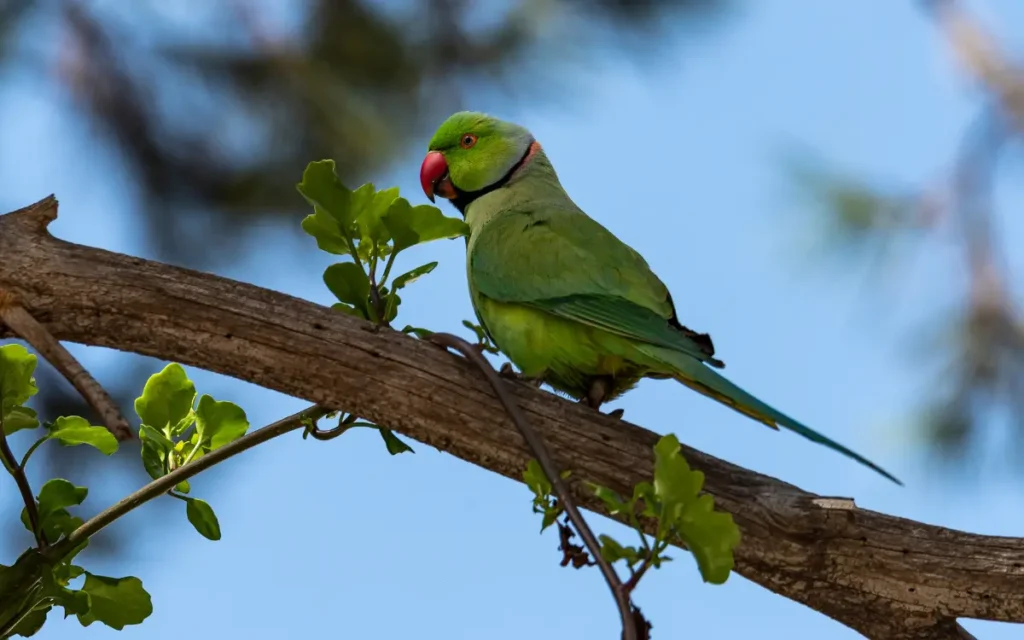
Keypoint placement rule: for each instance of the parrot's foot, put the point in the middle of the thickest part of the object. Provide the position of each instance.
(600, 387)
(506, 371)
(614, 413)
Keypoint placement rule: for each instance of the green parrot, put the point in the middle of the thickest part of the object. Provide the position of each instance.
(570, 304)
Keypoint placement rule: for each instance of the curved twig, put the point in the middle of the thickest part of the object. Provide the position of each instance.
(537, 446)
(163, 484)
(314, 431)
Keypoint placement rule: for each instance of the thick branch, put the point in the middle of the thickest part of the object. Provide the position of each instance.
(884, 576)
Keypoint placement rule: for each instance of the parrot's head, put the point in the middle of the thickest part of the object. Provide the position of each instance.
(472, 153)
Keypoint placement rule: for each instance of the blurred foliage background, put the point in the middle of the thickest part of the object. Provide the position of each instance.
(177, 90)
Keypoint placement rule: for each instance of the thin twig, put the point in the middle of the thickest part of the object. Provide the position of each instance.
(28, 328)
(163, 484)
(539, 449)
(18, 472)
(639, 573)
(344, 425)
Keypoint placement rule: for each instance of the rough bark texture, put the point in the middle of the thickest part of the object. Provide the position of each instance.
(884, 576)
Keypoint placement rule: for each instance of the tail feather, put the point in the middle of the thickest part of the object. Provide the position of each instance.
(705, 380)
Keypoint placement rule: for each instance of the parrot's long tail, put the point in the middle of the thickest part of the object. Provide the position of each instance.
(703, 379)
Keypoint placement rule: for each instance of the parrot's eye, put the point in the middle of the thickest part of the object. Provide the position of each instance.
(468, 141)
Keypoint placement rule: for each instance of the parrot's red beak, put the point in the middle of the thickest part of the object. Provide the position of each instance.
(434, 177)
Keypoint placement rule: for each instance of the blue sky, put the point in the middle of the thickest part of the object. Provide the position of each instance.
(684, 161)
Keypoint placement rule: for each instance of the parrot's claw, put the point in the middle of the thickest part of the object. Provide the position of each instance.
(506, 371)
(596, 395)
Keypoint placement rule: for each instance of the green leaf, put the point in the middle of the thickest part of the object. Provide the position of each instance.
(321, 187)
(410, 225)
(411, 276)
(349, 284)
(32, 623)
(219, 423)
(536, 480)
(65, 573)
(674, 483)
(74, 602)
(116, 602)
(613, 551)
(202, 517)
(475, 328)
(710, 535)
(349, 309)
(22, 589)
(645, 491)
(16, 382)
(394, 445)
(52, 502)
(57, 494)
(370, 216)
(166, 400)
(54, 525)
(394, 302)
(612, 502)
(325, 229)
(550, 515)
(73, 430)
(156, 448)
(420, 333)
(183, 486)
(19, 418)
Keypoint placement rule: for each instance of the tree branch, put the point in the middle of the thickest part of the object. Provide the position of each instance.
(25, 326)
(980, 55)
(884, 576)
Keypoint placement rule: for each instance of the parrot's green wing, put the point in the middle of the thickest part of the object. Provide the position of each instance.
(574, 268)
(625, 318)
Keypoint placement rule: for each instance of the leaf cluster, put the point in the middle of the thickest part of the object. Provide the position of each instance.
(176, 430)
(682, 514)
(371, 228)
(115, 602)
(673, 501)
(544, 501)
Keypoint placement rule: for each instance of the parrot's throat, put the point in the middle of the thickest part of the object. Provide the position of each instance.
(463, 199)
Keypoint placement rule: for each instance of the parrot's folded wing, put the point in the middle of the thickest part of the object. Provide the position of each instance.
(563, 262)
(625, 318)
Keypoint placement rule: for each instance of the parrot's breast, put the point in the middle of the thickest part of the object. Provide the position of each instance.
(565, 354)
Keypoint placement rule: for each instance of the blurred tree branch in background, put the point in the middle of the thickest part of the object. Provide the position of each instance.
(982, 344)
(215, 108)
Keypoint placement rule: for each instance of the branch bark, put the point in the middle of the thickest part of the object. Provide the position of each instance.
(884, 576)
